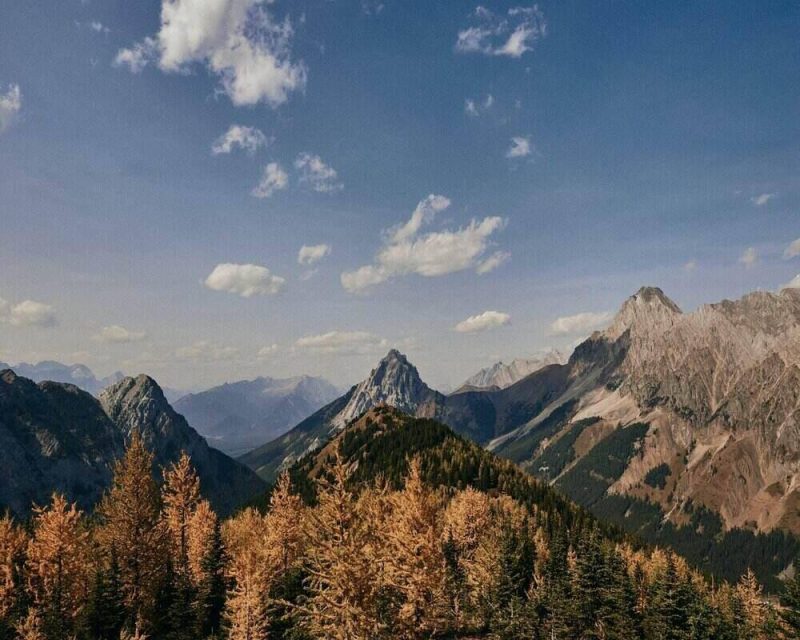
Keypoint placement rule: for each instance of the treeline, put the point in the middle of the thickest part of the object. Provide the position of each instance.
(372, 562)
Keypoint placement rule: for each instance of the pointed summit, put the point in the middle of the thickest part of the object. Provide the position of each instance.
(647, 310)
(394, 382)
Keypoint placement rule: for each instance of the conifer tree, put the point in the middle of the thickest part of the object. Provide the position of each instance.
(180, 497)
(13, 543)
(211, 586)
(56, 566)
(104, 616)
(133, 531)
(790, 603)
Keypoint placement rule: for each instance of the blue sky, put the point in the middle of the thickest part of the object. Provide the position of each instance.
(656, 143)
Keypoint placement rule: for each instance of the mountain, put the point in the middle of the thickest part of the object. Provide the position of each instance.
(237, 416)
(395, 382)
(57, 437)
(501, 375)
(78, 374)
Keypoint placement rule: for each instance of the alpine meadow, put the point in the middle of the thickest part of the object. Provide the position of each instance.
(399, 319)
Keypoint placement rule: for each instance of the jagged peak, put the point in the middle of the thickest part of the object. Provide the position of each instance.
(646, 310)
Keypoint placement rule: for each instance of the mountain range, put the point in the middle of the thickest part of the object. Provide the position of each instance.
(78, 374)
(501, 375)
(238, 416)
(57, 437)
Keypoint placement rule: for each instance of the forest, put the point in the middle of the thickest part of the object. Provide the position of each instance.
(380, 558)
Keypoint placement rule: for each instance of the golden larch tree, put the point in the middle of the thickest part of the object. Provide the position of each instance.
(13, 543)
(180, 495)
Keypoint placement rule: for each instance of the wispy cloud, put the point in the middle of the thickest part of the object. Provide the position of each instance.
(311, 254)
(793, 250)
(511, 34)
(10, 106)
(475, 108)
(319, 176)
(246, 280)
(580, 323)
(406, 250)
(762, 199)
(248, 139)
(749, 257)
(27, 313)
(116, 334)
(483, 322)
(520, 147)
(273, 179)
(342, 342)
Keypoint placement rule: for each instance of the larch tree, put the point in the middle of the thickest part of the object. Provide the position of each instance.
(415, 562)
(180, 495)
(284, 527)
(13, 542)
(56, 566)
(132, 529)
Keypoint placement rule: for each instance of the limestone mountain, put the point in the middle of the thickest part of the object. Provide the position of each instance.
(393, 382)
(237, 416)
(78, 374)
(501, 375)
(57, 437)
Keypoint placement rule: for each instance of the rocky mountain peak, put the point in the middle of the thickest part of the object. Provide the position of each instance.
(394, 382)
(501, 375)
(646, 311)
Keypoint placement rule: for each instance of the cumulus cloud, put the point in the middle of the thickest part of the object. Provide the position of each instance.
(10, 105)
(27, 313)
(579, 323)
(476, 108)
(510, 34)
(342, 342)
(749, 257)
(247, 139)
(115, 334)
(246, 280)
(762, 199)
(520, 147)
(311, 254)
(483, 321)
(239, 41)
(205, 351)
(318, 175)
(273, 179)
(405, 250)
(793, 250)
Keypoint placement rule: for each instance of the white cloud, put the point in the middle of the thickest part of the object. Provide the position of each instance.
(115, 334)
(27, 313)
(342, 342)
(274, 179)
(749, 257)
(138, 56)
(247, 139)
(579, 323)
(511, 34)
(520, 147)
(266, 352)
(406, 251)
(762, 199)
(492, 262)
(10, 105)
(483, 321)
(246, 280)
(794, 283)
(205, 351)
(475, 108)
(320, 176)
(237, 40)
(690, 266)
(311, 254)
(793, 250)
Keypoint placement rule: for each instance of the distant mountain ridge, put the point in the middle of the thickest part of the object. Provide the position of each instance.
(237, 416)
(57, 437)
(501, 375)
(78, 374)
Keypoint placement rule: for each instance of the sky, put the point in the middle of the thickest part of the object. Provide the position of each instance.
(211, 190)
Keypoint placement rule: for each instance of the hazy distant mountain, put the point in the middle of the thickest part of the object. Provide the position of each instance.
(78, 374)
(501, 375)
(237, 416)
(57, 437)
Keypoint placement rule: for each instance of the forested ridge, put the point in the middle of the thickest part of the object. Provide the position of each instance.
(385, 533)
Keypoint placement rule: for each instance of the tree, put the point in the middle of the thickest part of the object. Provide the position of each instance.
(133, 531)
(344, 580)
(104, 615)
(13, 543)
(180, 495)
(56, 566)
(211, 585)
(790, 602)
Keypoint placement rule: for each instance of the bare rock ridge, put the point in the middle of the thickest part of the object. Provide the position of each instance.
(57, 437)
(501, 375)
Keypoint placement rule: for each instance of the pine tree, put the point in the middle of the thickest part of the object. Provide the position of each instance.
(211, 586)
(790, 603)
(133, 531)
(56, 566)
(104, 616)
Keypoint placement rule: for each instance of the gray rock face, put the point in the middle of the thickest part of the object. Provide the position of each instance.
(56, 437)
(501, 375)
(238, 416)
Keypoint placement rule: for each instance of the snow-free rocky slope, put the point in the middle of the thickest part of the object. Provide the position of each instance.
(501, 375)
(237, 416)
(56, 437)
(703, 407)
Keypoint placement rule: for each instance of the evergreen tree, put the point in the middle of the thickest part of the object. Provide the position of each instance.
(104, 616)
(13, 543)
(211, 588)
(790, 603)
